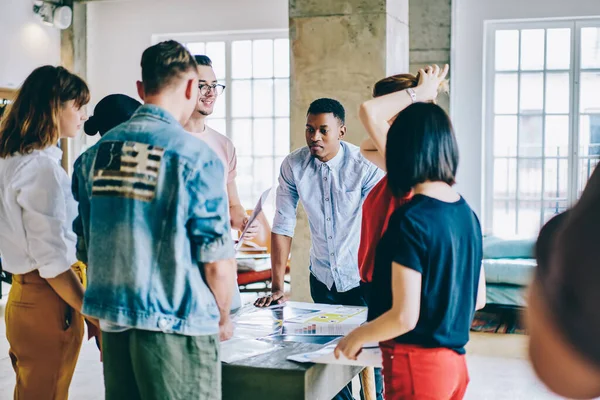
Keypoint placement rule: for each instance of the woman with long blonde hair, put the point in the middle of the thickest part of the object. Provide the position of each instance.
(44, 326)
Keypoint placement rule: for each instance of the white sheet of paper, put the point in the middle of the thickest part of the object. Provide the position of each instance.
(239, 349)
(257, 210)
(369, 357)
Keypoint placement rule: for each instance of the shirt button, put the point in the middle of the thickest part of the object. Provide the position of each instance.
(332, 254)
(162, 323)
(325, 178)
(328, 219)
(326, 198)
(329, 237)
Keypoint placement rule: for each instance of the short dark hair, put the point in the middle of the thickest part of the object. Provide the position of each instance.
(163, 63)
(421, 147)
(203, 60)
(328, 106)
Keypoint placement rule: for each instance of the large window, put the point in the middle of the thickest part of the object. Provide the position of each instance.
(254, 110)
(542, 120)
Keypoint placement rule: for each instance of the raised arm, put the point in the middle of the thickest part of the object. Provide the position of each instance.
(378, 113)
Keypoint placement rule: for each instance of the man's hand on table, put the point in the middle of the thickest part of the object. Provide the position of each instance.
(276, 297)
(225, 329)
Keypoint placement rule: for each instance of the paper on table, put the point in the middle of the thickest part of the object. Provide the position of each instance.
(338, 321)
(318, 329)
(238, 349)
(369, 357)
(257, 210)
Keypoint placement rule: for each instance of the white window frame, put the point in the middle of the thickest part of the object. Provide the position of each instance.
(575, 24)
(228, 37)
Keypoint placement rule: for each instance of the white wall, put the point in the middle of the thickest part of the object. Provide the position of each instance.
(25, 43)
(118, 32)
(467, 73)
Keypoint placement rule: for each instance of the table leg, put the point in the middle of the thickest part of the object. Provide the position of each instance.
(367, 378)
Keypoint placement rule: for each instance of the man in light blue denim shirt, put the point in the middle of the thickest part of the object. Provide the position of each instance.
(331, 179)
(153, 228)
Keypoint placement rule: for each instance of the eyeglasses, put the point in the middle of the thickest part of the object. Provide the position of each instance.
(217, 88)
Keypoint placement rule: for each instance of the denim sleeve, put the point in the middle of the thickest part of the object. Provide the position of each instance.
(286, 202)
(372, 177)
(83, 203)
(208, 225)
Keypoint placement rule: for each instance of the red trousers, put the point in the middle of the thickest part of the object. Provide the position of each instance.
(417, 373)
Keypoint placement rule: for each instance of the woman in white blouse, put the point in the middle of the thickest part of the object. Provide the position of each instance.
(37, 244)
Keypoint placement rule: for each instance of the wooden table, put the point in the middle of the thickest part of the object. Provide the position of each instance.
(271, 376)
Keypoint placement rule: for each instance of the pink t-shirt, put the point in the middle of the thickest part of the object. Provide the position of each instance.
(224, 148)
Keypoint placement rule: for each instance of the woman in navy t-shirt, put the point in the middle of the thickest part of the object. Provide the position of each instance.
(428, 277)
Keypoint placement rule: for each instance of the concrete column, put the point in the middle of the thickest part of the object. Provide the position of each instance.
(339, 49)
(73, 56)
(430, 33)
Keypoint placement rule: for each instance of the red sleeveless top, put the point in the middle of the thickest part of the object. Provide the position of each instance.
(377, 209)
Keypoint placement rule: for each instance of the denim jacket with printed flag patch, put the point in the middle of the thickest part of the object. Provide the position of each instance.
(152, 211)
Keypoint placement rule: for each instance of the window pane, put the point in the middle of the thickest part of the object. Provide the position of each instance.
(241, 57)
(263, 137)
(589, 135)
(556, 173)
(552, 208)
(532, 49)
(282, 97)
(245, 177)
(506, 92)
(282, 58)
(196, 48)
(218, 124)
(282, 136)
(505, 177)
(505, 136)
(220, 106)
(590, 92)
(507, 50)
(262, 58)
(557, 93)
(241, 93)
(241, 135)
(216, 52)
(557, 136)
(263, 175)
(532, 92)
(504, 218)
(530, 179)
(558, 48)
(530, 135)
(263, 98)
(590, 48)
(529, 218)
(586, 167)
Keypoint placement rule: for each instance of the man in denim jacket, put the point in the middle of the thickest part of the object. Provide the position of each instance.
(154, 231)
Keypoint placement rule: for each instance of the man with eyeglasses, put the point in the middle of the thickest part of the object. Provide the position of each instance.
(209, 91)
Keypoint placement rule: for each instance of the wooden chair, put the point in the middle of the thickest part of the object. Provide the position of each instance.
(261, 244)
